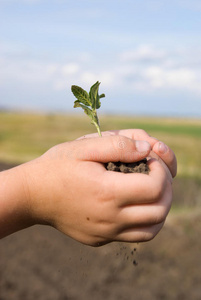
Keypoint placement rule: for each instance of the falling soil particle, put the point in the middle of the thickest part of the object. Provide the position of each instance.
(135, 263)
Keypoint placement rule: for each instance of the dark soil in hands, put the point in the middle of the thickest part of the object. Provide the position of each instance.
(135, 167)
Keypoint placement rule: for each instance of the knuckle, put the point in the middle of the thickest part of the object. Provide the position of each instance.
(139, 133)
(121, 145)
(106, 192)
(119, 142)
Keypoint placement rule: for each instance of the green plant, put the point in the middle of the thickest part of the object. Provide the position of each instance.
(89, 102)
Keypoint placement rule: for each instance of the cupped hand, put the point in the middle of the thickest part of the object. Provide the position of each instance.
(160, 151)
(70, 189)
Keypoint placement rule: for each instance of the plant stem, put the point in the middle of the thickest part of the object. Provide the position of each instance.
(96, 123)
(98, 129)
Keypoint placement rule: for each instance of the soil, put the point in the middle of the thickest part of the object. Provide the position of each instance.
(136, 167)
(41, 263)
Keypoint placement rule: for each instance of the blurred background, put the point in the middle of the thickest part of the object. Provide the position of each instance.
(147, 55)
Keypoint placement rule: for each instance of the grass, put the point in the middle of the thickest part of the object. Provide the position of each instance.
(26, 136)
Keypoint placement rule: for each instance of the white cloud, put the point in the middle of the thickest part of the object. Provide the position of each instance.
(143, 53)
(169, 78)
(70, 69)
(52, 68)
(145, 70)
(149, 68)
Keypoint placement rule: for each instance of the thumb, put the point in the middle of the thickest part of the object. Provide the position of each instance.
(113, 148)
(167, 156)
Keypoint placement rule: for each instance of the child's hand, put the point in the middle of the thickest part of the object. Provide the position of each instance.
(160, 151)
(69, 188)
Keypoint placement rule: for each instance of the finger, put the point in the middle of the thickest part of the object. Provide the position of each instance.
(162, 150)
(137, 188)
(112, 148)
(147, 214)
(134, 134)
(167, 155)
(142, 234)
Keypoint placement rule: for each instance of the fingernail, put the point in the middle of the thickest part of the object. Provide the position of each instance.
(162, 148)
(142, 146)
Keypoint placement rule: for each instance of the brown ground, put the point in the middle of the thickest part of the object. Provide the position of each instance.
(41, 263)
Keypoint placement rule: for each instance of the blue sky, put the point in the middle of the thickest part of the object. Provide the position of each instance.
(147, 54)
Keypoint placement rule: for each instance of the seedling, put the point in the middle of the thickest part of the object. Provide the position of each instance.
(89, 102)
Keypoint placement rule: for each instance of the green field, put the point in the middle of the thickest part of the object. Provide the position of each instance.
(168, 267)
(26, 136)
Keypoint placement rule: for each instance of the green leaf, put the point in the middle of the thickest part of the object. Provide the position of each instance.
(102, 96)
(93, 94)
(81, 95)
(86, 109)
(89, 102)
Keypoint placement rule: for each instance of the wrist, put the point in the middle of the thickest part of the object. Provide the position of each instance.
(38, 197)
(14, 202)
